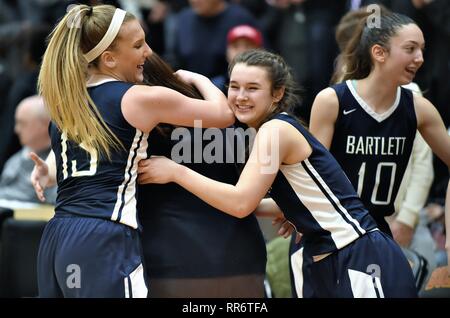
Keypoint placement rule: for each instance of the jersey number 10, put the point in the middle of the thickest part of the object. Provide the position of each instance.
(374, 198)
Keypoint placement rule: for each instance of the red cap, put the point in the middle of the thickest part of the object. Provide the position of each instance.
(247, 32)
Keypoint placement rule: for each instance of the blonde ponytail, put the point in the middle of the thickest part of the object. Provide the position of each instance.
(63, 75)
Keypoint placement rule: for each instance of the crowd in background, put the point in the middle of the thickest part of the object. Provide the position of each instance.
(194, 35)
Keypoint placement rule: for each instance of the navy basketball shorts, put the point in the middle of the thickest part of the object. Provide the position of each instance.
(90, 257)
(373, 266)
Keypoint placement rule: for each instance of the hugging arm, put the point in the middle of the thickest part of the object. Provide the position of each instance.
(144, 106)
(237, 200)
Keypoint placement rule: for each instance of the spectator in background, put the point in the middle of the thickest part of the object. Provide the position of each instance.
(241, 38)
(16, 19)
(32, 122)
(302, 32)
(200, 36)
(256, 7)
(434, 18)
(14, 23)
(33, 42)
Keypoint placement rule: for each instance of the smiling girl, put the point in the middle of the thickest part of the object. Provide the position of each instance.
(101, 120)
(352, 258)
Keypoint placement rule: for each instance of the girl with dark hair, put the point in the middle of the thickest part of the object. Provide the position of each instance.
(190, 249)
(352, 258)
(369, 121)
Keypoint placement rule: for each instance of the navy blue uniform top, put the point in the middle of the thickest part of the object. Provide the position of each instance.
(316, 197)
(91, 185)
(374, 149)
(184, 237)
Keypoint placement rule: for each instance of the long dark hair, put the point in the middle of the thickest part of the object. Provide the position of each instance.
(158, 73)
(357, 57)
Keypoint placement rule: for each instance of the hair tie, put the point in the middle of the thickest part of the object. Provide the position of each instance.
(90, 10)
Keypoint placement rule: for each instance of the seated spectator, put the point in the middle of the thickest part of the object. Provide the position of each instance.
(31, 126)
(242, 38)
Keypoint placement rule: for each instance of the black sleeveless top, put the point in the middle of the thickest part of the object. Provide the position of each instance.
(183, 236)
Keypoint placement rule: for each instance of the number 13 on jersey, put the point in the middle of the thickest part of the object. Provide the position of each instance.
(74, 170)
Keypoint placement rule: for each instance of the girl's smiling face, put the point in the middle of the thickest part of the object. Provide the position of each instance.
(250, 94)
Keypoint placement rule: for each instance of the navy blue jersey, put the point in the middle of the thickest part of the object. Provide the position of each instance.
(318, 199)
(91, 185)
(374, 149)
(214, 244)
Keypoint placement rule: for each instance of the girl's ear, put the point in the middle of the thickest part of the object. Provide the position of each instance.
(108, 59)
(379, 53)
(278, 94)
